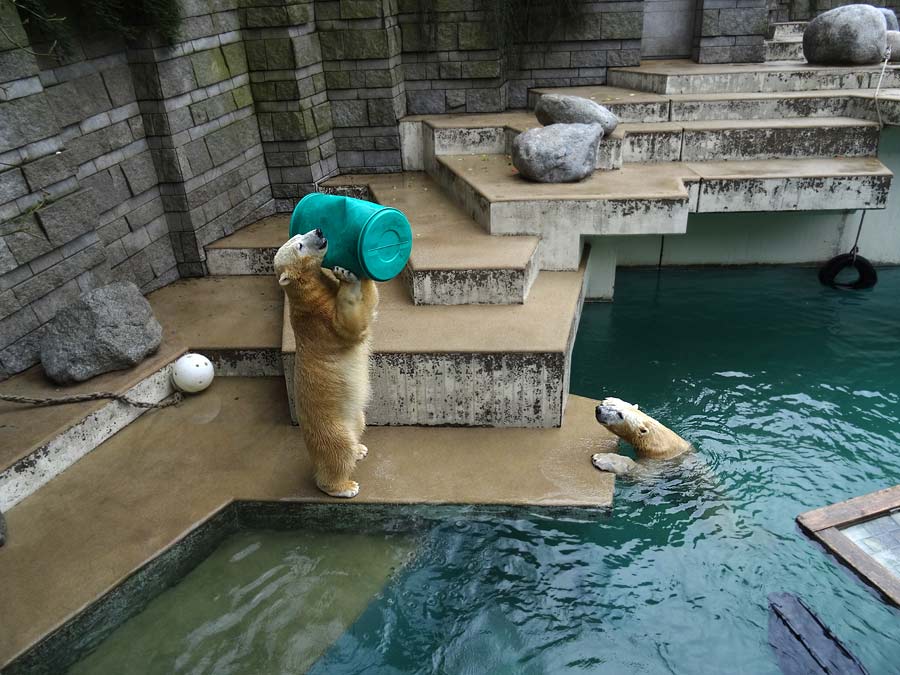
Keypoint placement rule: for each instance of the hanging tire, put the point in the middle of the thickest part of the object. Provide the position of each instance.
(868, 277)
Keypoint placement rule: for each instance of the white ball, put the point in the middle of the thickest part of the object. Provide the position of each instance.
(192, 373)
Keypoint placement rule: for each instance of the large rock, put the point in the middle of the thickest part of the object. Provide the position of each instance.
(559, 153)
(890, 18)
(893, 41)
(108, 328)
(849, 35)
(557, 109)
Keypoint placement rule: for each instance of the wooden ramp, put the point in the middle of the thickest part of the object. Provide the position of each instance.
(864, 533)
(802, 643)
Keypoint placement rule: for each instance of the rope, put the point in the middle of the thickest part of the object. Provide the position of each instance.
(887, 57)
(855, 249)
(175, 399)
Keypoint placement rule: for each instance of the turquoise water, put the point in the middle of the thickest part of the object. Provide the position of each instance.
(791, 394)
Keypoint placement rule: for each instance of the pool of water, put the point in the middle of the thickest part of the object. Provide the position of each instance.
(790, 393)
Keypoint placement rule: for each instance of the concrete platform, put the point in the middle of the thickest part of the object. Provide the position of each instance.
(196, 314)
(472, 365)
(679, 76)
(454, 261)
(148, 486)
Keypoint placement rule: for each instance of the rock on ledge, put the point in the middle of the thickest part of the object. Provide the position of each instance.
(560, 153)
(108, 328)
(849, 35)
(557, 109)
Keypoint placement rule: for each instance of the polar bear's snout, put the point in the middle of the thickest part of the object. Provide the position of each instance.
(608, 415)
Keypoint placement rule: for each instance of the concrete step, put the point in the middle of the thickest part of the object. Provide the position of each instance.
(685, 77)
(787, 30)
(651, 198)
(470, 365)
(777, 50)
(629, 105)
(751, 139)
(856, 103)
(454, 261)
(249, 251)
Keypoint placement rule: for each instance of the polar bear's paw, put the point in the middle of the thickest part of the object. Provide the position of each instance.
(360, 451)
(613, 463)
(345, 490)
(344, 274)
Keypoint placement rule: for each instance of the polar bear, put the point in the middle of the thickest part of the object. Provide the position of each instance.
(650, 439)
(331, 314)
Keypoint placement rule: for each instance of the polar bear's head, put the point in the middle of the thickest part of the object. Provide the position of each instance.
(300, 255)
(621, 417)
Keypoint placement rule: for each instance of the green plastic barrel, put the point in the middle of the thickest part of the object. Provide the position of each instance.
(370, 240)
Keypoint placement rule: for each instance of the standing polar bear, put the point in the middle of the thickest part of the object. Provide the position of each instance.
(331, 313)
(649, 438)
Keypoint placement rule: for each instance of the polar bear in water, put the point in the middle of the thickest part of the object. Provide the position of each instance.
(650, 439)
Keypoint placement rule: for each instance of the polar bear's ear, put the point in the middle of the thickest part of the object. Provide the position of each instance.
(643, 430)
(284, 279)
(637, 407)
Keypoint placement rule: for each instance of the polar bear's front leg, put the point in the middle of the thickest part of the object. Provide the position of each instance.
(613, 463)
(354, 304)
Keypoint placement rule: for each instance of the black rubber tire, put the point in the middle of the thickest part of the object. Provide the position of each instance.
(868, 277)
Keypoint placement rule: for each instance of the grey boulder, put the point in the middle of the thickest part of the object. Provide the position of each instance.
(108, 328)
(890, 18)
(849, 35)
(557, 109)
(893, 41)
(559, 153)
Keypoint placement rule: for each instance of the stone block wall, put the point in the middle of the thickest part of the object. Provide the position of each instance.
(730, 31)
(119, 162)
(457, 58)
(361, 52)
(288, 85)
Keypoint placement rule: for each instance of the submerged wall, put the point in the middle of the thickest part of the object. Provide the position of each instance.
(773, 238)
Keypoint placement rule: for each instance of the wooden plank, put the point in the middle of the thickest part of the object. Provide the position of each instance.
(852, 510)
(861, 562)
(803, 644)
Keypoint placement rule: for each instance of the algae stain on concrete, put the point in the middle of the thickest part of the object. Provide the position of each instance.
(263, 602)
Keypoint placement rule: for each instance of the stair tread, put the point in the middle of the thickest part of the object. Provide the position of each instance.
(496, 179)
(444, 236)
(270, 232)
(542, 324)
(687, 68)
